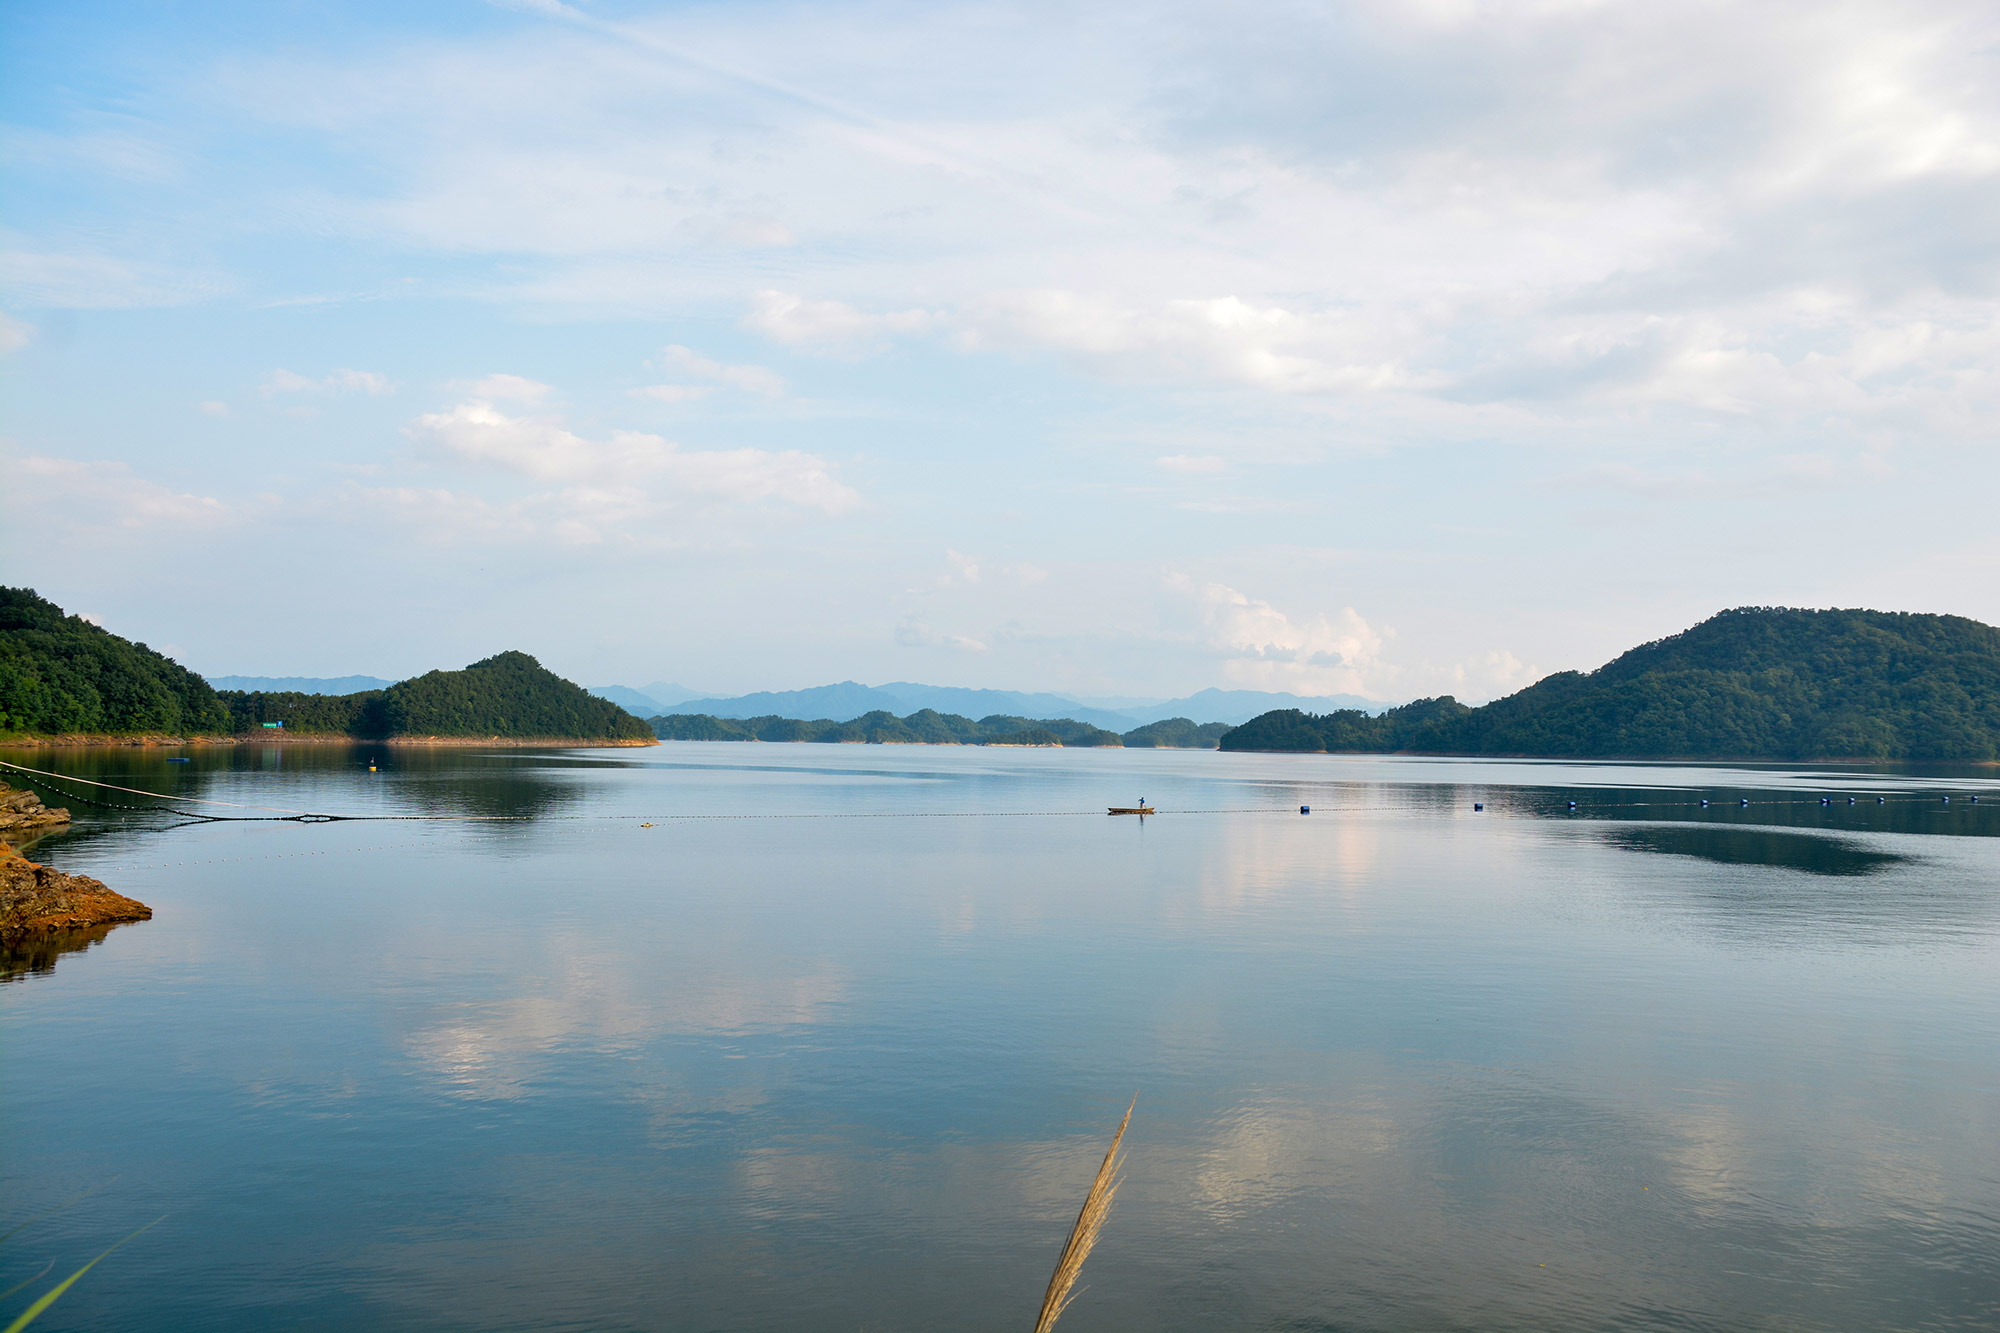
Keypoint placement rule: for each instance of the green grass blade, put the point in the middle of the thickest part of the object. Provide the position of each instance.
(34, 1312)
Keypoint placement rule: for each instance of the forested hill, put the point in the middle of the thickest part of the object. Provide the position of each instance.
(510, 696)
(1754, 683)
(61, 674)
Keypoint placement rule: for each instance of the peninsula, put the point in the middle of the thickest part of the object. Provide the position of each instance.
(64, 680)
(1757, 683)
(38, 902)
(507, 697)
(44, 911)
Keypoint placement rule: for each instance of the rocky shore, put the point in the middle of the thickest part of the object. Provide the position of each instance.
(38, 900)
(24, 810)
(45, 912)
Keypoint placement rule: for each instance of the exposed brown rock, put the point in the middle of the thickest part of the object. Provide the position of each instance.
(24, 809)
(37, 899)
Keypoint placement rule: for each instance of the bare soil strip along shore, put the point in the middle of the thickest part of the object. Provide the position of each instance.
(91, 741)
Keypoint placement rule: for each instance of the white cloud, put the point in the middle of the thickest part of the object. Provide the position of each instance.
(544, 450)
(215, 407)
(1519, 206)
(340, 381)
(1491, 674)
(757, 380)
(103, 494)
(833, 326)
(1222, 338)
(511, 389)
(914, 631)
(1509, 252)
(1263, 648)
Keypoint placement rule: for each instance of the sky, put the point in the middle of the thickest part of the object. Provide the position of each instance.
(1370, 348)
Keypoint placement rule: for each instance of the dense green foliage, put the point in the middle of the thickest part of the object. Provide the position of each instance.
(698, 727)
(928, 727)
(1754, 683)
(61, 674)
(510, 695)
(1177, 733)
(307, 714)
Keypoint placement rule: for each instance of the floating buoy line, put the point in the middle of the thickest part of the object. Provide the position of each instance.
(58, 783)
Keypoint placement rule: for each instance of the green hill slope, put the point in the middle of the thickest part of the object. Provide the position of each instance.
(1176, 733)
(60, 674)
(509, 695)
(1754, 683)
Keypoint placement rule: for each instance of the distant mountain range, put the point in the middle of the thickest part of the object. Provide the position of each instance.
(849, 700)
(647, 700)
(300, 684)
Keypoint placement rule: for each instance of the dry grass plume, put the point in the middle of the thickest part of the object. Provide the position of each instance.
(1096, 1207)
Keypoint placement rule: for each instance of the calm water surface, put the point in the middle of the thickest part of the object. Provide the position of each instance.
(843, 1053)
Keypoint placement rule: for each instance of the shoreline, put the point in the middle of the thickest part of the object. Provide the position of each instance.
(1377, 754)
(89, 741)
(39, 902)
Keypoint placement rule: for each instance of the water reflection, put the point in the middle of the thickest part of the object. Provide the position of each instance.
(1898, 812)
(591, 996)
(1400, 1065)
(39, 952)
(1755, 847)
(257, 781)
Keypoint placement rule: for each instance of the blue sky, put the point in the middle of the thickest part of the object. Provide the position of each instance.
(1383, 349)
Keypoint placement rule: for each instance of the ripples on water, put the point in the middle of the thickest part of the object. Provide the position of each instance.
(1400, 1065)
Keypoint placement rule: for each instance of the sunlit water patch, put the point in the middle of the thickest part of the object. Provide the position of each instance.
(802, 1037)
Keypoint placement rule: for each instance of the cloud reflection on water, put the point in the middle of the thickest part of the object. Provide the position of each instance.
(1393, 1058)
(582, 997)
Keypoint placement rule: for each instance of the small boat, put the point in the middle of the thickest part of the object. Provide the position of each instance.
(1131, 809)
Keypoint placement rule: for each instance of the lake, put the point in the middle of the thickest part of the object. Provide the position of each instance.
(838, 1041)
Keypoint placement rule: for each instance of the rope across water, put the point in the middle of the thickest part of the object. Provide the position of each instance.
(282, 814)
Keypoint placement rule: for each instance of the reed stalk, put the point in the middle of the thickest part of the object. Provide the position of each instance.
(1083, 1236)
(53, 1294)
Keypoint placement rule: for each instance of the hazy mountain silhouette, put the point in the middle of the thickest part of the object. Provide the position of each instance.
(850, 699)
